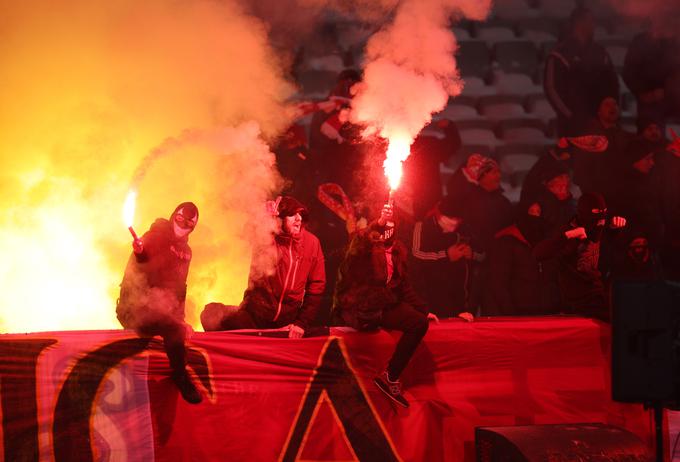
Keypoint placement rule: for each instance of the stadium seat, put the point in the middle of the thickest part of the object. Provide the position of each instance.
(477, 132)
(493, 34)
(474, 58)
(501, 107)
(459, 110)
(539, 29)
(513, 9)
(539, 107)
(475, 87)
(529, 131)
(515, 84)
(517, 57)
(461, 33)
(556, 8)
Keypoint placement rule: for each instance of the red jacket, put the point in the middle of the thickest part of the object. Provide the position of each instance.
(293, 293)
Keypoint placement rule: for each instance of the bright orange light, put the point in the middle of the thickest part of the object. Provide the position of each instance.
(398, 150)
(129, 208)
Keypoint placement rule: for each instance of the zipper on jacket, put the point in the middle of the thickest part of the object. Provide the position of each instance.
(285, 283)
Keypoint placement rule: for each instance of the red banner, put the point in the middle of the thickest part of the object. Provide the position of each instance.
(105, 395)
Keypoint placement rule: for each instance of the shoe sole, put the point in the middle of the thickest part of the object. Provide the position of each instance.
(389, 395)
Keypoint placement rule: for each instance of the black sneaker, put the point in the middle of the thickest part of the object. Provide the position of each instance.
(391, 389)
(186, 388)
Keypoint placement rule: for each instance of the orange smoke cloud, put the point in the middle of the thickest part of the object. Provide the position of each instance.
(88, 90)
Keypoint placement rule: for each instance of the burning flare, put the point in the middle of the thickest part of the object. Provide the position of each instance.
(129, 212)
(398, 150)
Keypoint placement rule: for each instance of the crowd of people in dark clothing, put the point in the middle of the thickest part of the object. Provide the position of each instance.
(599, 205)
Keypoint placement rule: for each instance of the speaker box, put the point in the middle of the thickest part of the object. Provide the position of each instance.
(644, 337)
(559, 443)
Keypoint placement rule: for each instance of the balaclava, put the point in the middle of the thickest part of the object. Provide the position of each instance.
(591, 213)
(188, 213)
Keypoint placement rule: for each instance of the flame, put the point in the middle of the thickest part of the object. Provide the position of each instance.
(129, 208)
(398, 150)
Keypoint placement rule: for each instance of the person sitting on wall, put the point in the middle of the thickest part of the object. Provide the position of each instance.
(290, 297)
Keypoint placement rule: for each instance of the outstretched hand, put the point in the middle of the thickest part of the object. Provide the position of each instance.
(466, 316)
(618, 222)
(576, 233)
(295, 331)
(432, 317)
(272, 207)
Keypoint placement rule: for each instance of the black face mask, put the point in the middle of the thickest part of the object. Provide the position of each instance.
(592, 215)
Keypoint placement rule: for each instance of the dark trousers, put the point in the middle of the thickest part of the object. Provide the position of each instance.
(404, 318)
(173, 333)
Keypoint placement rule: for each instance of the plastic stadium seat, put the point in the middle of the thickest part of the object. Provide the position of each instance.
(477, 132)
(475, 87)
(478, 136)
(556, 8)
(515, 84)
(317, 83)
(500, 107)
(517, 57)
(539, 107)
(457, 111)
(529, 131)
(461, 33)
(493, 34)
(474, 58)
(512, 9)
(540, 29)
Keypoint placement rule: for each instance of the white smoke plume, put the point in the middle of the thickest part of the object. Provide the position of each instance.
(411, 69)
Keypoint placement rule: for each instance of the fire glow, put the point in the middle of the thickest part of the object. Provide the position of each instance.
(398, 151)
(129, 212)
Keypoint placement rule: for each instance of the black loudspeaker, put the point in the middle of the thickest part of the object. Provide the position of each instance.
(559, 443)
(644, 342)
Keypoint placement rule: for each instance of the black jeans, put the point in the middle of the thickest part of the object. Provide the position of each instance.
(174, 336)
(405, 318)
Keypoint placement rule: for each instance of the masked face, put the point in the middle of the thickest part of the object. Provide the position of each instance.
(182, 225)
(638, 250)
(292, 224)
(592, 214)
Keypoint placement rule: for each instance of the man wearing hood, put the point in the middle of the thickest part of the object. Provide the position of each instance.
(154, 287)
(373, 291)
(291, 296)
(577, 248)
